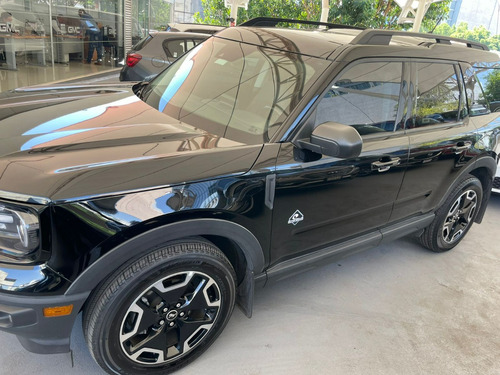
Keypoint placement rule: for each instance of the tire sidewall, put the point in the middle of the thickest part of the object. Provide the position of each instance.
(112, 315)
(471, 183)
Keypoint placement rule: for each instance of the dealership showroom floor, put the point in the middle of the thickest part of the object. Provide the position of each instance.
(394, 309)
(29, 75)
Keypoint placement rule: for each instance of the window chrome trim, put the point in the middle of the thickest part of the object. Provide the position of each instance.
(447, 125)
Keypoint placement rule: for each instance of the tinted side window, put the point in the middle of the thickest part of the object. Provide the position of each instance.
(366, 97)
(438, 95)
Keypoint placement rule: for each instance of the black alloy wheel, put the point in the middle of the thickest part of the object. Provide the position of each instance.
(157, 313)
(455, 217)
(177, 311)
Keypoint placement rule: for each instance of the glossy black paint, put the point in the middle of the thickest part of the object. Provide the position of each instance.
(432, 162)
(117, 219)
(104, 169)
(95, 143)
(339, 198)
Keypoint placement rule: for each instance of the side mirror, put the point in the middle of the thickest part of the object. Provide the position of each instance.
(334, 139)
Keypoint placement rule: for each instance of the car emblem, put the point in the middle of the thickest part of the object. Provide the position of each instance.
(296, 218)
(172, 315)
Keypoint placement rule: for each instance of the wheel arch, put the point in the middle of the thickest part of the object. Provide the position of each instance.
(240, 246)
(483, 169)
(485, 175)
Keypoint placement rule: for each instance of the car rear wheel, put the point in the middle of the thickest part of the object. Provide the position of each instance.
(159, 312)
(455, 217)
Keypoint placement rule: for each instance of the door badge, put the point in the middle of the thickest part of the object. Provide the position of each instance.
(296, 218)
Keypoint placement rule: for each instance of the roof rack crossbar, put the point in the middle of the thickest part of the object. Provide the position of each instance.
(383, 37)
(272, 22)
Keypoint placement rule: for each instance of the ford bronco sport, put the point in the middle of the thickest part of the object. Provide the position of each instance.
(262, 152)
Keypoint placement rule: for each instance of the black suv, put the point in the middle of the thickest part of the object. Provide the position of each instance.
(260, 153)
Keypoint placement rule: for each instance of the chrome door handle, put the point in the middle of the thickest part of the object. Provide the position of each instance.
(384, 166)
(461, 146)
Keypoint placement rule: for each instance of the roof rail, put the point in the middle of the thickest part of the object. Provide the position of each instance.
(272, 22)
(383, 37)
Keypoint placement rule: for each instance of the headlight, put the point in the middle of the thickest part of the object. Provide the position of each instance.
(19, 231)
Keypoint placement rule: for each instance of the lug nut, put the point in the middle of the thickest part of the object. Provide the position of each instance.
(165, 309)
(171, 324)
(178, 305)
(161, 322)
(181, 314)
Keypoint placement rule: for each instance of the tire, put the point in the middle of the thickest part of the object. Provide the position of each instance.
(158, 313)
(455, 217)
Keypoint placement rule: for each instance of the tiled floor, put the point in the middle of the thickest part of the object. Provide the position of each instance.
(29, 75)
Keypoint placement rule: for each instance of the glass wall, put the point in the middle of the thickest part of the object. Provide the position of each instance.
(35, 32)
(50, 40)
(152, 14)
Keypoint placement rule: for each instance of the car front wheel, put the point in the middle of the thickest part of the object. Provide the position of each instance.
(158, 313)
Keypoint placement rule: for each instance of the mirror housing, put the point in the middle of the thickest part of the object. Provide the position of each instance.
(334, 139)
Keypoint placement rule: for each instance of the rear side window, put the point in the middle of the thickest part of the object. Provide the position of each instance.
(438, 95)
(177, 47)
(482, 82)
(478, 104)
(366, 97)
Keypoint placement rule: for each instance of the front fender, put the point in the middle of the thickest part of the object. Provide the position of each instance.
(139, 245)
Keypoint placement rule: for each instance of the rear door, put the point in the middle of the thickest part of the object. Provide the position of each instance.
(321, 200)
(441, 136)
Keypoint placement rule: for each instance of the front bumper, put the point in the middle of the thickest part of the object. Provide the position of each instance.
(24, 293)
(23, 316)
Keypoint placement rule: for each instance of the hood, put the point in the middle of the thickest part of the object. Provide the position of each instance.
(75, 142)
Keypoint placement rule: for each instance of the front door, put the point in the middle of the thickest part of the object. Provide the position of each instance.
(324, 200)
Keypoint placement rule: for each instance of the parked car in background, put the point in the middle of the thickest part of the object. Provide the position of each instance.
(155, 52)
(495, 106)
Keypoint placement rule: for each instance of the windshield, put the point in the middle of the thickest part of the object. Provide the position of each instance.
(235, 90)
